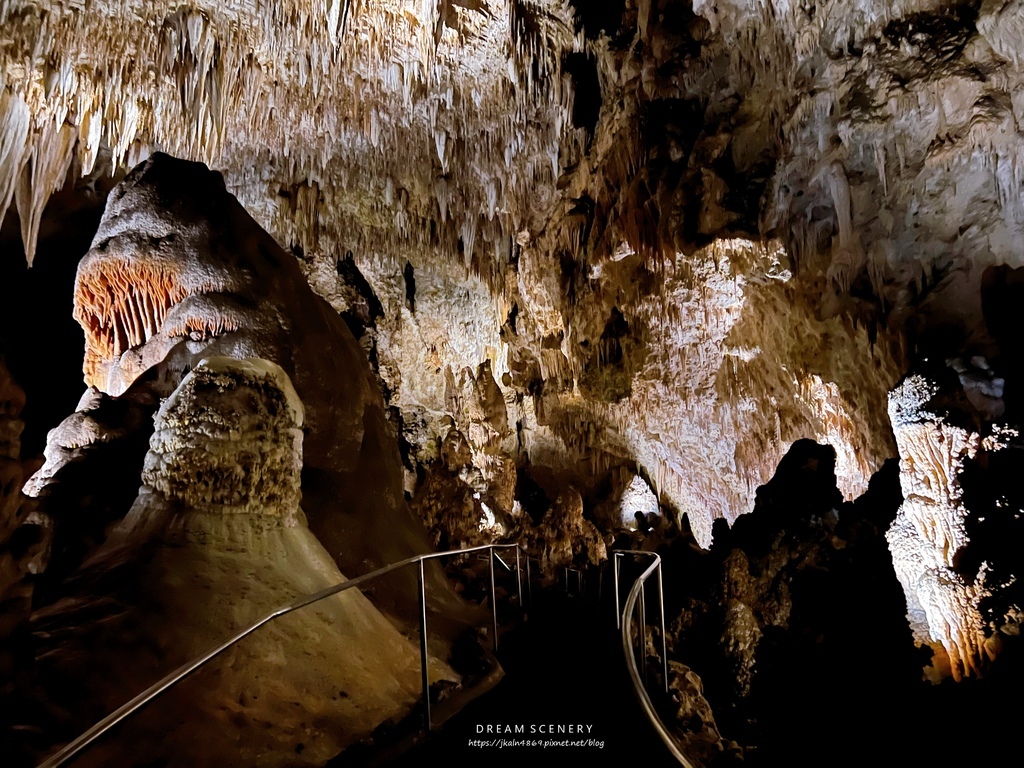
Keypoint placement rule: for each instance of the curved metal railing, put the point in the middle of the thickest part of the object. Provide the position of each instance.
(634, 600)
(144, 698)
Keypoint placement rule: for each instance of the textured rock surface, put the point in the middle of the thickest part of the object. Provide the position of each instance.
(666, 237)
(600, 255)
(215, 540)
(178, 271)
(941, 431)
(697, 732)
(104, 438)
(564, 538)
(795, 619)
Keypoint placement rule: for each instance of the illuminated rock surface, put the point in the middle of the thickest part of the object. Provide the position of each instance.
(215, 540)
(531, 251)
(178, 271)
(939, 429)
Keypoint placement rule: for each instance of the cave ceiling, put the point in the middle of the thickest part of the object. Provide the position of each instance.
(678, 234)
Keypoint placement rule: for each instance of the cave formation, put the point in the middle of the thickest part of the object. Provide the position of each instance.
(345, 282)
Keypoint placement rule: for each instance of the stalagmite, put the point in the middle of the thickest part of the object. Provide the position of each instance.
(218, 539)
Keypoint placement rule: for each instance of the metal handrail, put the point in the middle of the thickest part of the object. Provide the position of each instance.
(129, 708)
(625, 620)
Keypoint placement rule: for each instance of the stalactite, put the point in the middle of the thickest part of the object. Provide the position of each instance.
(47, 167)
(15, 122)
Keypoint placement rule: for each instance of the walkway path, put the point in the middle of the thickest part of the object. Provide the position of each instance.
(564, 668)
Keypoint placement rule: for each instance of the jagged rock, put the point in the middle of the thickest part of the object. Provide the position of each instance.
(783, 600)
(557, 251)
(447, 503)
(104, 437)
(215, 540)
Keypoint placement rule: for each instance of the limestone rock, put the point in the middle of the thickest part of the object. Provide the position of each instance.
(179, 271)
(631, 504)
(938, 431)
(214, 541)
(104, 437)
(566, 539)
(695, 730)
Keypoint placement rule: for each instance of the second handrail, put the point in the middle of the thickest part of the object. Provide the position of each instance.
(625, 620)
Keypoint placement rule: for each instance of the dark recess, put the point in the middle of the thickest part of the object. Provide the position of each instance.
(41, 342)
(586, 107)
(596, 16)
(358, 318)
(410, 287)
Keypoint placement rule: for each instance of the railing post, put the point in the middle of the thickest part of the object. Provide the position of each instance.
(643, 631)
(664, 643)
(618, 615)
(519, 583)
(494, 600)
(423, 645)
(529, 581)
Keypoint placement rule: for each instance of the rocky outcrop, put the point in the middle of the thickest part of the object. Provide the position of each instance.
(696, 731)
(214, 541)
(630, 504)
(449, 499)
(943, 420)
(602, 254)
(178, 271)
(565, 538)
(105, 437)
(666, 237)
(794, 618)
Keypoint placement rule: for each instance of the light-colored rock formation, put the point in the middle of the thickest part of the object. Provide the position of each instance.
(179, 271)
(929, 537)
(550, 237)
(633, 505)
(215, 540)
(400, 83)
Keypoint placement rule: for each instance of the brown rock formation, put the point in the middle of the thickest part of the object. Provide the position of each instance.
(669, 237)
(214, 541)
(178, 271)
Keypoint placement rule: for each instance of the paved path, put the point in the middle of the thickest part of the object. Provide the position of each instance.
(564, 668)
